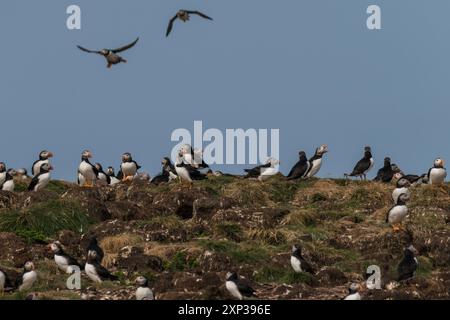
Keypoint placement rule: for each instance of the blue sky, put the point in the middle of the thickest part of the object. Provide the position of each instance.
(310, 68)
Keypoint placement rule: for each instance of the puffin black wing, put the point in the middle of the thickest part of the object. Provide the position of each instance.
(32, 167)
(8, 283)
(88, 51)
(170, 26)
(306, 266)
(200, 14)
(245, 289)
(103, 273)
(361, 167)
(298, 171)
(137, 166)
(33, 183)
(256, 171)
(93, 246)
(128, 46)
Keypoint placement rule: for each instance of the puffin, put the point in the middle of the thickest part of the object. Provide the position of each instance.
(437, 174)
(5, 282)
(408, 265)
(44, 157)
(101, 175)
(143, 292)
(353, 292)
(41, 180)
(184, 15)
(301, 168)
(2, 173)
(238, 288)
(27, 278)
(194, 157)
(402, 186)
(8, 184)
(22, 173)
(386, 173)
(63, 260)
(93, 246)
(167, 174)
(112, 176)
(298, 263)
(87, 172)
(412, 178)
(128, 168)
(95, 271)
(363, 166)
(316, 161)
(186, 172)
(398, 213)
(111, 55)
(264, 171)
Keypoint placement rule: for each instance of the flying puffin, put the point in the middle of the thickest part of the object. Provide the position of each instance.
(8, 184)
(401, 187)
(41, 180)
(5, 282)
(93, 246)
(316, 161)
(298, 263)
(112, 176)
(237, 287)
(264, 171)
(128, 168)
(184, 15)
(95, 271)
(27, 278)
(101, 175)
(63, 260)
(22, 173)
(301, 168)
(398, 212)
(353, 292)
(167, 174)
(408, 265)
(44, 157)
(111, 54)
(143, 291)
(386, 173)
(363, 166)
(2, 173)
(87, 172)
(437, 174)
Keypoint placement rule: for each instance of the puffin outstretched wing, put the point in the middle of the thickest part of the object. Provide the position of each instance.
(199, 14)
(88, 51)
(170, 26)
(128, 46)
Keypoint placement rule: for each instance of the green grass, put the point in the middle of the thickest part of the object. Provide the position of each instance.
(180, 262)
(45, 220)
(248, 252)
(282, 275)
(231, 231)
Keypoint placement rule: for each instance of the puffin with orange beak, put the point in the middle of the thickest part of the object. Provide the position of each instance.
(87, 172)
(44, 157)
(437, 174)
(128, 168)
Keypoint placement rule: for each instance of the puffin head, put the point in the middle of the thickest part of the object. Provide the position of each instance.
(302, 154)
(92, 255)
(29, 266)
(186, 149)
(2, 167)
(99, 167)
(45, 154)
(46, 167)
(110, 171)
(142, 281)
(322, 149)
(86, 154)
(273, 162)
(231, 276)
(11, 172)
(296, 250)
(439, 163)
(411, 250)
(126, 157)
(55, 247)
(22, 172)
(403, 198)
(105, 52)
(403, 183)
(353, 288)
